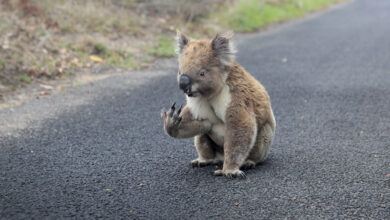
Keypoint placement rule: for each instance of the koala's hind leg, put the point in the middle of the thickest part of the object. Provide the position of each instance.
(207, 151)
(240, 138)
(263, 142)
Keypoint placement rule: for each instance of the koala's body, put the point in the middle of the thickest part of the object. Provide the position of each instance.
(228, 112)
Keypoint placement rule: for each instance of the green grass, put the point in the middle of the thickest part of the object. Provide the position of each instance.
(42, 32)
(250, 15)
(121, 59)
(164, 48)
(25, 78)
(77, 84)
(115, 57)
(4, 26)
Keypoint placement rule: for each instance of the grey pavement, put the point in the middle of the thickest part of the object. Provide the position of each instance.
(99, 151)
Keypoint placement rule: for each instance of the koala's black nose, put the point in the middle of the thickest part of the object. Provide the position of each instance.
(184, 82)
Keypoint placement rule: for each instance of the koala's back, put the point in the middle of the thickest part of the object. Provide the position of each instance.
(250, 94)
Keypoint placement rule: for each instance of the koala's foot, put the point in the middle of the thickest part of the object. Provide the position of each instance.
(230, 173)
(249, 164)
(171, 120)
(203, 163)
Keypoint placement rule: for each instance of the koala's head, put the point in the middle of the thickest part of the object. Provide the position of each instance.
(203, 64)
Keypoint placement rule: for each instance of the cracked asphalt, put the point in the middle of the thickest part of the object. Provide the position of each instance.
(99, 151)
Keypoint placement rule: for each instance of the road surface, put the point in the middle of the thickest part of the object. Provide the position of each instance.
(99, 151)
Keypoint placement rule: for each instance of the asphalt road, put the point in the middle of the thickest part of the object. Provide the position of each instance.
(99, 150)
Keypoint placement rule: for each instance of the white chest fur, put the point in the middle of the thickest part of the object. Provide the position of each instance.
(213, 110)
(201, 109)
(221, 102)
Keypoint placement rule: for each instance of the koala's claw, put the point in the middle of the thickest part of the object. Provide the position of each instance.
(197, 163)
(230, 174)
(176, 114)
(249, 164)
(173, 113)
(171, 110)
(218, 173)
(242, 175)
(179, 110)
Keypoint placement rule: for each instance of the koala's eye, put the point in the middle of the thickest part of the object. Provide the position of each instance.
(202, 73)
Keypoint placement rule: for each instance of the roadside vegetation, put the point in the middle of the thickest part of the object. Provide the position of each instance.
(250, 15)
(42, 40)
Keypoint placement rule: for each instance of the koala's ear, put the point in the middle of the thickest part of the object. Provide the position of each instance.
(181, 41)
(224, 47)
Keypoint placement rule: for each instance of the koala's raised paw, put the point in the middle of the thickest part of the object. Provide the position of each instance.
(230, 173)
(171, 119)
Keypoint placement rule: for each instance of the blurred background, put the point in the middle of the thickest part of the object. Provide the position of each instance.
(44, 40)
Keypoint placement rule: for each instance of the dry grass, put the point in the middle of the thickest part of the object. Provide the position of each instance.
(47, 39)
(55, 38)
(187, 10)
(88, 16)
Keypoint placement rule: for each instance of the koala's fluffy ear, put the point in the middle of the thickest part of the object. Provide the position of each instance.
(181, 41)
(224, 47)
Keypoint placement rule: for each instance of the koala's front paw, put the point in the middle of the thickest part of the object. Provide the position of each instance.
(201, 163)
(249, 164)
(171, 120)
(230, 173)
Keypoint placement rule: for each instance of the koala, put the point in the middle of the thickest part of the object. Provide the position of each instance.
(227, 112)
